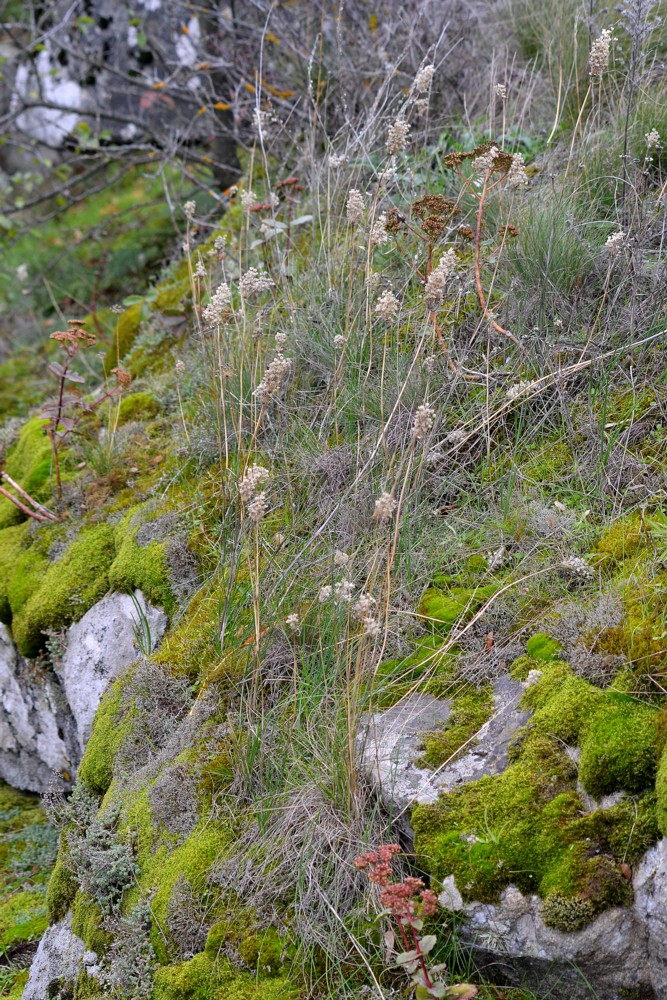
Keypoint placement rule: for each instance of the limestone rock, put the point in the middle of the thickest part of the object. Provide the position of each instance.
(36, 729)
(99, 648)
(60, 956)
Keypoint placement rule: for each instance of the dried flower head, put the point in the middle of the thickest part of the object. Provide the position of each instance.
(516, 175)
(200, 270)
(495, 560)
(275, 377)
(179, 367)
(385, 505)
(293, 623)
(220, 300)
(280, 340)
(254, 282)
(615, 243)
(653, 140)
(423, 422)
(343, 591)
(517, 390)
(123, 378)
(371, 626)
(248, 200)
(457, 437)
(355, 206)
(189, 210)
(424, 79)
(325, 593)
(500, 91)
(339, 342)
(336, 160)
(341, 558)
(397, 136)
(578, 567)
(486, 161)
(379, 233)
(22, 274)
(364, 605)
(257, 508)
(600, 53)
(387, 306)
(438, 280)
(252, 479)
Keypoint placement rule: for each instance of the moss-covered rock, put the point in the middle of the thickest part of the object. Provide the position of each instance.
(442, 608)
(62, 887)
(619, 751)
(124, 335)
(140, 567)
(29, 464)
(107, 736)
(68, 588)
(202, 979)
(137, 406)
(471, 708)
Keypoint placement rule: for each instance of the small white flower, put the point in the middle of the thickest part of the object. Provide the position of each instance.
(325, 593)
(385, 505)
(189, 210)
(257, 508)
(387, 306)
(339, 342)
(496, 559)
(248, 200)
(364, 605)
(532, 678)
(22, 273)
(379, 234)
(576, 566)
(516, 175)
(439, 278)
(293, 623)
(653, 140)
(371, 626)
(343, 590)
(341, 558)
(500, 91)
(355, 206)
(615, 243)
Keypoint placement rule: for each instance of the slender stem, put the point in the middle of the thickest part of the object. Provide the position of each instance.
(478, 275)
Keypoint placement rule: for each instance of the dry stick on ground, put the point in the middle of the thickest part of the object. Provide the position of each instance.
(38, 513)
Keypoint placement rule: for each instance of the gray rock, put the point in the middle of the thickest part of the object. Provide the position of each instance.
(36, 728)
(60, 956)
(390, 742)
(98, 649)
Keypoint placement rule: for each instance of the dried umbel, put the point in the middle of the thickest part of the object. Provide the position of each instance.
(293, 623)
(438, 280)
(653, 140)
(520, 389)
(123, 378)
(486, 161)
(252, 479)
(385, 505)
(220, 301)
(397, 136)
(423, 422)
(248, 200)
(600, 53)
(355, 207)
(275, 377)
(254, 282)
(387, 306)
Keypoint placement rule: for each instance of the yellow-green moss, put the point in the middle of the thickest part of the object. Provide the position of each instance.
(619, 750)
(87, 924)
(12, 547)
(62, 887)
(23, 917)
(623, 539)
(106, 739)
(661, 791)
(124, 335)
(29, 464)
(68, 589)
(193, 647)
(140, 567)
(543, 647)
(26, 577)
(564, 704)
(471, 708)
(174, 297)
(442, 608)
(137, 406)
(203, 979)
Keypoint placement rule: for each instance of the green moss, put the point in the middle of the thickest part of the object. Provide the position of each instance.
(29, 464)
(442, 608)
(521, 667)
(23, 917)
(140, 567)
(470, 710)
(619, 749)
(542, 647)
(20, 978)
(68, 589)
(173, 297)
(12, 547)
(87, 924)
(27, 574)
(125, 333)
(623, 539)
(661, 791)
(264, 952)
(62, 887)
(202, 979)
(137, 406)
(106, 739)
(567, 913)
(568, 708)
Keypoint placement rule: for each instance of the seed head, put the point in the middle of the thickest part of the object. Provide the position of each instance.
(600, 52)
(387, 306)
(325, 593)
(423, 422)
(397, 136)
(424, 79)
(280, 341)
(339, 342)
(615, 243)
(501, 91)
(652, 140)
(516, 175)
(385, 505)
(379, 233)
(482, 164)
(364, 605)
(248, 200)
(257, 508)
(371, 626)
(189, 210)
(576, 566)
(438, 280)
(251, 481)
(341, 558)
(355, 206)
(293, 623)
(254, 282)
(275, 377)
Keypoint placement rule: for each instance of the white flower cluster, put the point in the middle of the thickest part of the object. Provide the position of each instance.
(252, 479)
(615, 243)
(248, 200)
(423, 422)
(385, 505)
(387, 306)
(254, 282)
(293, 623)
(576, 566)
(495, 560)
(600, 53)
(516, 175)
(653, 140)
(379, 234)
(355, 206)
(397, 136)
(482, 164)
(424, 79)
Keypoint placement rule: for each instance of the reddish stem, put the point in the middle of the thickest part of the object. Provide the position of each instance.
(478, 276)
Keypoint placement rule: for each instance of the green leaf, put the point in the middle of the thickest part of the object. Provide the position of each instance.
(406, 956)
(427, 943)
(462, 991)
(422, 993)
